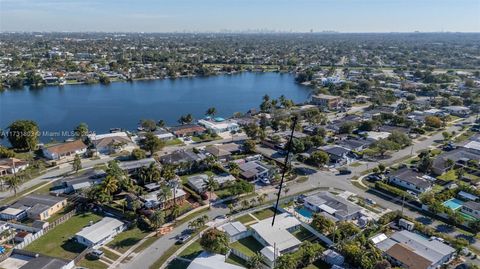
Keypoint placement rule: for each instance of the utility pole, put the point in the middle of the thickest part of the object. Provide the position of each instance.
(285, 166)
(403, 203)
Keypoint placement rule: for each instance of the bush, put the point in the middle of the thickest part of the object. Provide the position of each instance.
(138, 154)
(393, 190)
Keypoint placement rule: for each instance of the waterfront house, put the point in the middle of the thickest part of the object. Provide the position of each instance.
(34, 206)
(100, 233)
(65, 151)
(327, 101)
(471, 208)
(112, 143)
(337, 207)
(188, 130)
(411, 180)
(220, 125)
(411, 250)
(12, 166)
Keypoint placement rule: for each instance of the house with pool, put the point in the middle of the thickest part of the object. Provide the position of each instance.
(466, 204)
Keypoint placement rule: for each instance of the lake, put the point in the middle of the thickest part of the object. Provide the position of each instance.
(124, 104)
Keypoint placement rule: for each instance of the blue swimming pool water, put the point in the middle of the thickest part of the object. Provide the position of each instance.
(453, 204)
(304, 212)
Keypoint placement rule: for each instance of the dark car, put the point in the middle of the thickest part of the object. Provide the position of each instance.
(96, 254)
(344, 171)
(183, 238)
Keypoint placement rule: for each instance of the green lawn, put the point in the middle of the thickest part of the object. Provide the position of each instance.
(192, 251)
(56, 242)
(303, 234)
(245, 219)
(448, 176)
(248, 246)
(206, 138)
(265, 213)
(109, 254)
(173, 142)
(127, 239)
(92, 264)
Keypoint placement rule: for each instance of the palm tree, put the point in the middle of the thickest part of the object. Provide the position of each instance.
(211, 111)
(157, 219)
(13, 184)
(164, 195)
(110, 185)
(211, 185)
(261, 198)
(175, 212)
(153, 172)
(245, 204)
(255, 262)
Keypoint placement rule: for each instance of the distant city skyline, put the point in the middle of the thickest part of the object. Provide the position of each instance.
(240, 15)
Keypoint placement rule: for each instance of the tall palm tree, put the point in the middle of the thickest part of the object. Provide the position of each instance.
(255, 262)
(153, 172)
(261, 198)
(175, 212)
(164, 195)
(211, 185)
(110, 185)
(157, 219)
(211, 111)
(13, 184)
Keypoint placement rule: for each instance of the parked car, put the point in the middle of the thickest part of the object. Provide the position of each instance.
(344, 171)
(96, 253)
(183, 238)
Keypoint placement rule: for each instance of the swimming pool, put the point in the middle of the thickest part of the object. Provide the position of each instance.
(304, 212)
(453, 204)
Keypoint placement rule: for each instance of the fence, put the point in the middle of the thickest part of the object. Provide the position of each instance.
(29, 240)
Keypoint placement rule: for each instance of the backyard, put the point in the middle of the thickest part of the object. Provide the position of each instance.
(248, 246)
(127, 239)
(265, 213)
(57, 241)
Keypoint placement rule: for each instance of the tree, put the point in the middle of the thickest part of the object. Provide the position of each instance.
(148, 125)
(323, 224)
(249, 146)
(168, 172)
(13, 184)
(186, 119)
(385, 145)
(77, 163)
(81, 131)
(211, 111)
(6, 153)
(286, 261)
(251, 130)
(23, 134)
(157, 219)
(426, 162)
(161, 123)
(138, 154)
(234, 169)
(109, 185)
(319, 158)
(211, 185)
(400, 138)
(152, 143)
(215, 241)
(433, 121)
(103, 79)
(255, 261)
(347, 127)
(475, 226)
(383, 264)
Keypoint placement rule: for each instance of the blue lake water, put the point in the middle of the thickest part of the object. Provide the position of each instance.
(123, 104)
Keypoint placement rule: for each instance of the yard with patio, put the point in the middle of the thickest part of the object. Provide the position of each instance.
(57, 241)
(248, 246)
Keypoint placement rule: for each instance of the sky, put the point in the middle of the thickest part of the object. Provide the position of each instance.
(240, 15)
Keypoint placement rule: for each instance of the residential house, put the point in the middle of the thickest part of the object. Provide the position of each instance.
(161, 133)
(132, 166)
(185, 160)
(150, 199)
(413, 251)
(327, 101)
(65, 150)
(337, 207)
(459, 156)
(12, 166)
(411, 180)
(234, 230)
(187, 130)
(211, 261)
(338, 155)
(277, 239)
(77, 183)
(471, 208)
(45, 262)
(459, 111)
(256, 170)
(100, 233)
(199, 182)
(34, 206)
(223, 152)
(219, 125)
(355, 144)
(112, 143)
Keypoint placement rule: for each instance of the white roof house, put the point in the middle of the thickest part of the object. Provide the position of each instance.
(220, 127)
(211, 261)
(100, 232)
(280, 234)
